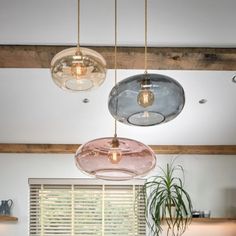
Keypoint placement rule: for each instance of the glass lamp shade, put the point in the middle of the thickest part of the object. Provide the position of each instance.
(127, 160)
(78, 70)
(146, 99)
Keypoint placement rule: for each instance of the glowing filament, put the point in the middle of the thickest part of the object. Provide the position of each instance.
(145, 98)
(114, 155)
(78, 69)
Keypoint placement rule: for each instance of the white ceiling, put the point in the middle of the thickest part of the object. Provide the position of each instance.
(170, 23)
(34, 110)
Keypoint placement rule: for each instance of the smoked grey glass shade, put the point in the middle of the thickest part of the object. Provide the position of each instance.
(166, 100)
(134, 158)
(76, 69)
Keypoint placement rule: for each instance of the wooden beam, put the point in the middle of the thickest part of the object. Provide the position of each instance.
(195, 149)
(158, 149)
(13, 56)
(38, 148)
(8, 218)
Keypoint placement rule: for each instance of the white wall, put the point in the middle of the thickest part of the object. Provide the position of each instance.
(210, 181)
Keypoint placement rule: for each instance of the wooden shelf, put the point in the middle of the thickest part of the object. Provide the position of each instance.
(8, 218)
(213, 220)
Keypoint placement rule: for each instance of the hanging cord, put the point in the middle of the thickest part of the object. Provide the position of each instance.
(145, 38)
(78, 36)
(115, 59)
(115, 62)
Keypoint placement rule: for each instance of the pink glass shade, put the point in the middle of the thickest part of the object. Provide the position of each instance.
(100, 159)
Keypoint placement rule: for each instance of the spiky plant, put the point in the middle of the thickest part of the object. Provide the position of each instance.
(163, 193)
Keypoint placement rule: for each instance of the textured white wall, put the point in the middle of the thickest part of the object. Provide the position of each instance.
(209, 179)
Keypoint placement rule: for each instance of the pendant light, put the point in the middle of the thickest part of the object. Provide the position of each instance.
(78, 68)
(146, 99)
(115, 158)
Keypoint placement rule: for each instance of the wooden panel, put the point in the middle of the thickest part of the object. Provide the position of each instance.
(128, 57)
(8, 218)
(38, 148)
(158, 149)
(195, 149)
(213, 220)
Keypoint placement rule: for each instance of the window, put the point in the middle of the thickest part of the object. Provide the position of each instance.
(89, 207)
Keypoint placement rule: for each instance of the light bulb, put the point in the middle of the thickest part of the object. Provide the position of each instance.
(78, 69)
(145, 97)
(114, 155)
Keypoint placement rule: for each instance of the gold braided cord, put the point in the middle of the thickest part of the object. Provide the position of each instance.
(115, 59)
(78, 39)
(145, 38)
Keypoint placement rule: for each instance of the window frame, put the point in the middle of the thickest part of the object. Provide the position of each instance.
(87, 182)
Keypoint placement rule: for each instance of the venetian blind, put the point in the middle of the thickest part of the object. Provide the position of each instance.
(86, 207)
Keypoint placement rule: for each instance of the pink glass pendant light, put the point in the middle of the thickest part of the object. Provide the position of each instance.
(115, 158)
(104, 160)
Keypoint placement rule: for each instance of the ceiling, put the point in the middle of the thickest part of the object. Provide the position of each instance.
(35, 110)
(170, 23)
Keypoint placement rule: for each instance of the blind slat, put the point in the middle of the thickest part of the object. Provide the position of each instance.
(76, 209)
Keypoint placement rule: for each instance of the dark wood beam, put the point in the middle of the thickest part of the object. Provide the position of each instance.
(158, 149)
(23, 56)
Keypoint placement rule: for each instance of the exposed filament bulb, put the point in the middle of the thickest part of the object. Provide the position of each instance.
(115, 155)
(78, 69)
(145, 96)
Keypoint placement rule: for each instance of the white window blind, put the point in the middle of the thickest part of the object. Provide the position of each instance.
(86, 207)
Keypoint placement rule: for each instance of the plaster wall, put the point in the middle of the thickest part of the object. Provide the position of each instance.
(210, 180)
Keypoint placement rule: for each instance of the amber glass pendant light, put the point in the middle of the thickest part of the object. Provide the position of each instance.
(115, 158)
(78, 68)
(146, 99)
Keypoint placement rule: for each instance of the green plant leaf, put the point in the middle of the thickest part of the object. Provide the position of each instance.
(162, 192)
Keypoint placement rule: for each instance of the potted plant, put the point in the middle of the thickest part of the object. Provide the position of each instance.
(167, 201)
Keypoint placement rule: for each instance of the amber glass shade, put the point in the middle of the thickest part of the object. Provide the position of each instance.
(100, 159)
(146, 99)
(78, 70)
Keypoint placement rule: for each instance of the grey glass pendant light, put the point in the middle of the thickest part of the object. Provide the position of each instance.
(146, 99)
